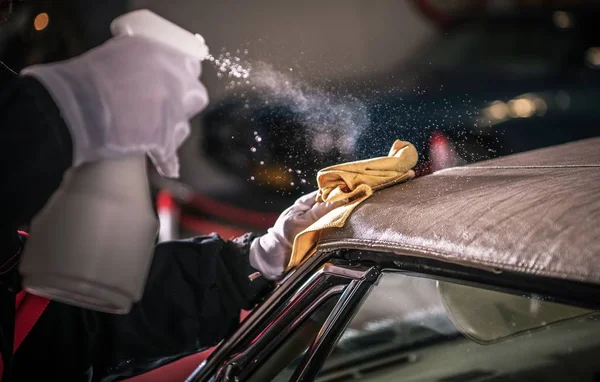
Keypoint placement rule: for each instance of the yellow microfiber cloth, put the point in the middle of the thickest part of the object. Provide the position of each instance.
(353, 182)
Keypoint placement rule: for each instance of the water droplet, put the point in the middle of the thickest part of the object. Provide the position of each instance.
(253, 149)
(292, 184)
(303, 181)
(291, 69)
(258, 138)
(262, 162)
(251, 178)
(256, 133)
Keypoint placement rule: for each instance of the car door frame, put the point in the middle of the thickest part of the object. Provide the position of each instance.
(341, 267)
(291, 303)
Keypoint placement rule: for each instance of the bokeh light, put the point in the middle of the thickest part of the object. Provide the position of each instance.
(41, 21)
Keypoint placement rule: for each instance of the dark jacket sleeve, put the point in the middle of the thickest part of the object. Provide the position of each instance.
(36, 149)
(35, 152)
(193, 298)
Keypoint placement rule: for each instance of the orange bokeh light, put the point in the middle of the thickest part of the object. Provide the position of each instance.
(41, 21)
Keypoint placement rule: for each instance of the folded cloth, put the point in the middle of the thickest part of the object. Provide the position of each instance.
(353, 182)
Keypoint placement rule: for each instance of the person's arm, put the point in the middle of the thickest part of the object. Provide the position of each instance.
(196, 289)
(36, 149)
(195, 292)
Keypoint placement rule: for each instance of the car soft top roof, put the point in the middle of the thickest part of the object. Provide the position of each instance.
(536, 213)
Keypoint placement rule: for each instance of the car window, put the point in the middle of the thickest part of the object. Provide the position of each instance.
(419, 329)
(281, 365)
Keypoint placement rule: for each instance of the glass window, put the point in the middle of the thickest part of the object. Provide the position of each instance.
(280, 366)
(418, 329)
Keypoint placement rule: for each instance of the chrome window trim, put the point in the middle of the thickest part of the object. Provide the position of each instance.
(242, 366)
(334, 326)
(206, 370)
(312, 278)
(260, 350)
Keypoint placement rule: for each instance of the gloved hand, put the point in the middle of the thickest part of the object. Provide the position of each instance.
(130, 95)
(271, 252)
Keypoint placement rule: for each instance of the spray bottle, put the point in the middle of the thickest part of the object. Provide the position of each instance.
(92, 244)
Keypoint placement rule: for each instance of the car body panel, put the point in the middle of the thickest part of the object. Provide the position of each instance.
(536, 213)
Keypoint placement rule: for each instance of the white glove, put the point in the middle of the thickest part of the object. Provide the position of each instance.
(131, 95)
(271, 252)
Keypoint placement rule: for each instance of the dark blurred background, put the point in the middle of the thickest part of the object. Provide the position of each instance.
(340, 80)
